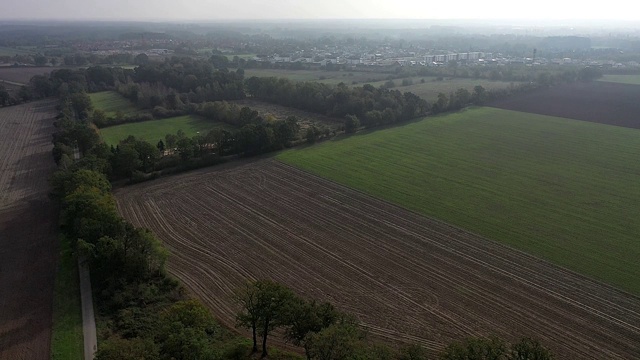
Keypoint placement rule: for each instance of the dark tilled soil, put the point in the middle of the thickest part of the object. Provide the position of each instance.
(27, 231)
(600, 102)
(408, 278)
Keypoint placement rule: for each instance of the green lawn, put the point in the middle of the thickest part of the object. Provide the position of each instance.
(110, 102)
(623, 79)
(66, 337)
(155, 130)
(560, 189)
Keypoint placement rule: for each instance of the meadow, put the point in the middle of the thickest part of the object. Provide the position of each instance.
(111, 102)
(622, 79)
(560, 189)
(155, 130)
(430, 89)
(322, 76)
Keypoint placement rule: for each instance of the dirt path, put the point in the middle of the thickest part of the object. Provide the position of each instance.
(88, 317)
(406, 277)
(27, 231)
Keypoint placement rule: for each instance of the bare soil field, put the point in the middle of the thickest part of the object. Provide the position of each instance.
(22, 75)
(305, 118)
(598, 101)
(27, 231)
(408, 278)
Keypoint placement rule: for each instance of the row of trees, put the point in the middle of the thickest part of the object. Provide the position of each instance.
(146, 313)
(328, 334)
(362, 106)
(373, 106)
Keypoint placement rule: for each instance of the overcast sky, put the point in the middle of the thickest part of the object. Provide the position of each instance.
(315, 9)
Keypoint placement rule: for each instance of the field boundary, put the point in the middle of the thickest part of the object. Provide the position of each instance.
(460, 229)
(88, 317)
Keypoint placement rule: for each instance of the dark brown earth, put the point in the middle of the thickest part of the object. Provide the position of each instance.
(27, 231)
(22, 75)
(408, 278)
(601, 102)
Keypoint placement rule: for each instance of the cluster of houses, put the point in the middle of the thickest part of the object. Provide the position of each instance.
(380, 60)
(464, 58)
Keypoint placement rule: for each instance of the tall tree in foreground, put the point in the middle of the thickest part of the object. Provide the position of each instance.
(306, 318)
(264, 308)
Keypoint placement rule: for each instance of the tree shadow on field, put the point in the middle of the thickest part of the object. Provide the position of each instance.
(27, 270)
(31, 174)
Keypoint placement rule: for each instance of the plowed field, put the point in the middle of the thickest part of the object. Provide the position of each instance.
(408, 278)
(27, 231)
(598, 101)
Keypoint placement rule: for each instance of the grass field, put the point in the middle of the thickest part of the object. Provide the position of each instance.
(560, 189)
(10, 51)
(66, 337)
(155, 130)
(430, 88)
(623, 79)
(323, 76)
(110, 102)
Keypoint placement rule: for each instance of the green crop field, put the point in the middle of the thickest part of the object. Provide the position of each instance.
(623, 79)
(561, 189)
(155, 130)
(111, 102)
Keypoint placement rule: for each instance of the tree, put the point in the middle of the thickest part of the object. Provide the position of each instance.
(66, 182)
(264, 308)
(99, 118)
(339, 341)
(185, 331)
(529, 349)
(170, 140)
(81, 103)
(589, 73)
(116, 348)
(475, 349)
(312, 134)
(463, 97)
(148, 154)
(141, 59)
(4, 97)
(479, 95)
(126, 161)
(249, 315)
(89, 214)
(186, 148)
(351, 124)
(307, 317)
(412, 352)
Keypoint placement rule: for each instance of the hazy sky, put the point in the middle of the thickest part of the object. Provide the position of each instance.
(319, 9)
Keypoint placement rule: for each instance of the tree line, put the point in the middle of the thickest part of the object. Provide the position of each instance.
(145, 313)
(325, 333)
(136, 159)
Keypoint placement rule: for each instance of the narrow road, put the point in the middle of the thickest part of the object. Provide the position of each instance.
(88, 318)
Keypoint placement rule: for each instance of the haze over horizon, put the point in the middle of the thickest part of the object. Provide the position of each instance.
(204, 10)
